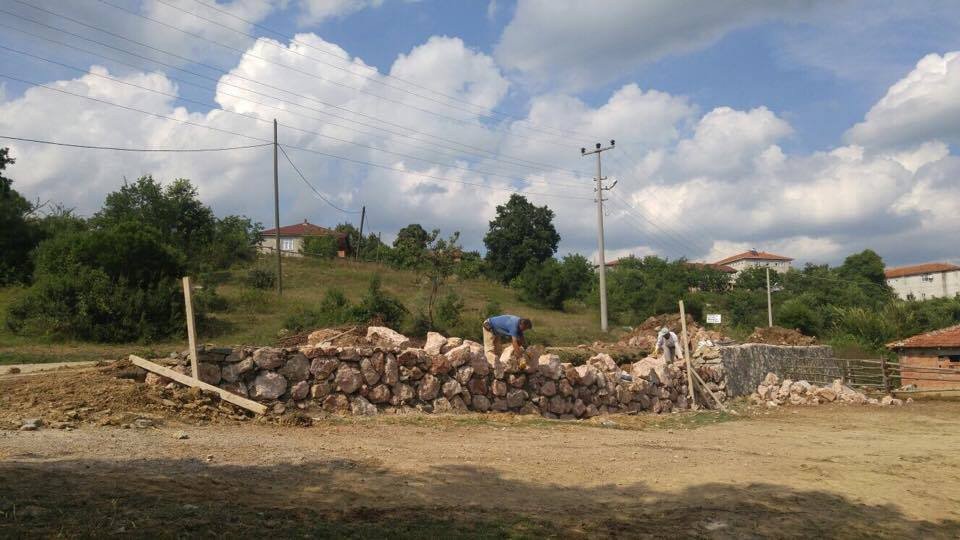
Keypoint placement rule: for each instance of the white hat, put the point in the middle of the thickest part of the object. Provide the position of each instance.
(663, 331)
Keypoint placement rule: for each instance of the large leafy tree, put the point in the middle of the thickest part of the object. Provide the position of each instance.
(411, 244)
(19, 234)
(520, 233)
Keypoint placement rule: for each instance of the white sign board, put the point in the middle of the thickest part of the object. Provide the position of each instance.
(713, 318)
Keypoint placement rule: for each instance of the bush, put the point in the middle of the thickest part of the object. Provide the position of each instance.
(261, 278)
(552, 282)
(112, 285)
(378, 307)
(449, 311)
(333, 310)
(491, 309)
(795, 313)
(324, 247)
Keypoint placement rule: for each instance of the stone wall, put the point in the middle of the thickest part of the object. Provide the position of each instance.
(745, 366)
(383, 374)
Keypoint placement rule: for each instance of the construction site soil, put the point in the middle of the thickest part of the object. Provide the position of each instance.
(188, 466)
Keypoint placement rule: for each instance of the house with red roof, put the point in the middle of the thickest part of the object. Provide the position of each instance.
(754, 259)
(939, 350)
(292, 237)
(923, 281)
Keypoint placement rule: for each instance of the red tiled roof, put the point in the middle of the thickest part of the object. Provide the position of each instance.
(754, 254)
(945, 337)
(302, 229)
(916, 269)
(718, 266)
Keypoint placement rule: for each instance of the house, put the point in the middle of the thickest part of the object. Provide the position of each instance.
(754, 259)
(931, 360)
(292, 237)
(922, 281)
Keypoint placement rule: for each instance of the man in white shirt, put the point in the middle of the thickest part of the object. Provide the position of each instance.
(669, 345)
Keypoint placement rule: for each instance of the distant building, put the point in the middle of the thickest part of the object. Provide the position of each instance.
(292, 237)
(922, 281)
(939, 350)
(755, 259)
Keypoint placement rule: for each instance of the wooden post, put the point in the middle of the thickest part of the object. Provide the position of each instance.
(686, 355)
(846, 371)
(191, 330)
(225, 395)
(883, 373)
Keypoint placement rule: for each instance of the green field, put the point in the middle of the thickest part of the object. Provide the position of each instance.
(255, 317)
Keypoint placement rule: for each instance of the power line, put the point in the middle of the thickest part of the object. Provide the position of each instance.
(503, 158)
(126, 149)
(682, 248)
(311, 150)
(294, 128)
(307, 182)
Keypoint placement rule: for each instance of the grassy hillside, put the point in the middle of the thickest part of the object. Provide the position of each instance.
(255, 317)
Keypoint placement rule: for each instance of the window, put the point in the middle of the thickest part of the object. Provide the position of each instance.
(286, 244)
(927, 278)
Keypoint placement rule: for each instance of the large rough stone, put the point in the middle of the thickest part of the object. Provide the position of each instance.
(509, 361)
(440, 365)
(402, 393)
(391, 370)
(322, 368)
(460, 355)
(300, 391)
(268, 357)
(442, 405)
(157, 380)
(435, 343)
(566, 388)
(451, 388)
(452, 343)
(517, 380)
(549, 366)
(268, 385)
(380, 394)
(481, 403)
(586, 374)
(477, 386)
(548, 389)
(499, 405)
(603, 362)
(429, 388)
(479, 365)
(348, 379)
(208, 373)
(498, 387)
(361, 407)
(515, 398)
(385, 336)
(369, 372)
(296, 369)
(579, 408)
(558, 405)
(771, 379)
(232, 372)
(322, 390)
(464, 373)
(411, 357)
(336, 403)
(652, 369)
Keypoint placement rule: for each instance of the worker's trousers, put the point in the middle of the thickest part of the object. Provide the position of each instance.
(491, 346)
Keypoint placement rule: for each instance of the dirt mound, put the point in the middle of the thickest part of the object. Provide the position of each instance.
(113, 394)
(775, 335)
(341, 336)
(644, 336)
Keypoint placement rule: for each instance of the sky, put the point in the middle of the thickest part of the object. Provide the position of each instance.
(808, 128)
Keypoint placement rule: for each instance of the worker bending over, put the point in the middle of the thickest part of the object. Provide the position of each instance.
(502, 327)
(668, 344)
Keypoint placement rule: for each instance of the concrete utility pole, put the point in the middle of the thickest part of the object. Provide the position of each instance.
(276, 209)
(603, 263)
(363, 216)
(769, 304)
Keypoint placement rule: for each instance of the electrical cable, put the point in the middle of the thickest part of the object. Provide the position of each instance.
(126, 149)
(307, 182)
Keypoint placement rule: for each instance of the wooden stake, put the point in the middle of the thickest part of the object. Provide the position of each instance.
(191, 330)
(250, 405)
(686, 355)
(709, 391)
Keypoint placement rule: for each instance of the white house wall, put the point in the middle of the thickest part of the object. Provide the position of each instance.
(923, 286)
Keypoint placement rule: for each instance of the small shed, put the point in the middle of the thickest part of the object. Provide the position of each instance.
(930, 361)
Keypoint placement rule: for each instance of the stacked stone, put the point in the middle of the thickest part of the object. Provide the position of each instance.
(446, 375)
(774, 393)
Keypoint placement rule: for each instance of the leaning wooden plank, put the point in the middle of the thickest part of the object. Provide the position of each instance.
(248, 404)
(709, 391)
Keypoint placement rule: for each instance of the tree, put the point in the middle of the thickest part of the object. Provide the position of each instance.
(320, 246)
(866, 265)
(553, 282)
(755, 279)
(410, 245)
(19, 234)
(438, 264)
(519, 234)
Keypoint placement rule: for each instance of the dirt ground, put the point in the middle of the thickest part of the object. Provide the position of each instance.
(816, 472)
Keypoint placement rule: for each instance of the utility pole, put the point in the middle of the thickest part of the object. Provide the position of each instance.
(603, 263)
(363, 216)
(276, 209)
(769, 304)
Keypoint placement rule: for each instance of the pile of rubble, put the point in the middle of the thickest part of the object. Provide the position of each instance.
(773, 393)
(385, 374)
(775, 335)
(644, 336)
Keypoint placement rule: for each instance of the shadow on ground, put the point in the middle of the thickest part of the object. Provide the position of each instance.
(342, 498)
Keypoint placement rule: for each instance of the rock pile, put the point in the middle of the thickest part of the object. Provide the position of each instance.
(386, 374)
(644, 336)
(773, 393)
(775, 335)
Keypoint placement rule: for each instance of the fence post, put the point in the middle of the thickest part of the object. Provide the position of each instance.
(883, 373)
(846, 372)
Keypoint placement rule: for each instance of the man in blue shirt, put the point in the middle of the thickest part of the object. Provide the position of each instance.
(501, 327)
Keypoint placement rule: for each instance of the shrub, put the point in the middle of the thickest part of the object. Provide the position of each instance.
(449, 311)
(261, 278)
(552, 282)
(795, 313)
(324, 247)
(334, 309)
(378, 307)
(110, 285)
(491, 309)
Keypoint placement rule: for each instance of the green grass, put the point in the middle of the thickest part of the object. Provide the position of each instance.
(255, 317)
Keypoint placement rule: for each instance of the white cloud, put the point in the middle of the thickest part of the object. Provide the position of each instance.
(317, 11)
(919, 107)
(579, 44)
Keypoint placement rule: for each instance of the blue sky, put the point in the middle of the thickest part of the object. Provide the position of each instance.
(812, 127)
